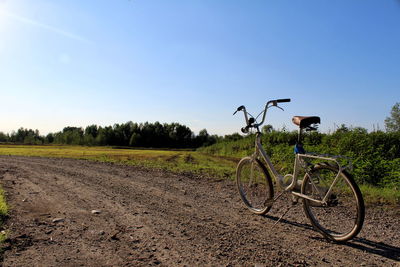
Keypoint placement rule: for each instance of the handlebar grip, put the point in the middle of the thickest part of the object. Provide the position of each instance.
(245, 129)
(283, 100)
(240, 108)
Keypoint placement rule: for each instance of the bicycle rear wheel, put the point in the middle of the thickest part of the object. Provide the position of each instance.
(254, 185)
(343, 216)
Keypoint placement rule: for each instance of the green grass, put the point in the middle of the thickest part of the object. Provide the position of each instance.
(379, 195)
(3, 204)
(176, 161)
(3, 214)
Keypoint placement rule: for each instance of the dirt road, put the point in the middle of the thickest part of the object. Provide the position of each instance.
(80, 213)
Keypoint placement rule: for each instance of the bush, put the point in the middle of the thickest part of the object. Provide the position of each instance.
(375, 156)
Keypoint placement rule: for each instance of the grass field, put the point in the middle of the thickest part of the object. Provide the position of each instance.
(176, 161)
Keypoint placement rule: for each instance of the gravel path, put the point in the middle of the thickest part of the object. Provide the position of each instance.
(68, 212)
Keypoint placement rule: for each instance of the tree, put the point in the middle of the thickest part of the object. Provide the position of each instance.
(267, 129)
(342, 129)
(202, 138)
(26, 136)
(105, 136)
(3, 137)
(135, 140)
(92, 130)
(70, 135)
(392, 123)
(49, 138)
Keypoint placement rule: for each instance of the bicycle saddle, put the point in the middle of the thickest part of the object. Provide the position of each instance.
(304, 121)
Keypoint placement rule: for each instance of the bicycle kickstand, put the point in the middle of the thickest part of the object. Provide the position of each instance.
(286, 211)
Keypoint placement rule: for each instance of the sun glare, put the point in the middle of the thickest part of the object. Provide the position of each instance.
(7, 17)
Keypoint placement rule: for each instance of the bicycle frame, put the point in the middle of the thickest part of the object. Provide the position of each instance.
(325, 182)
(299, 158)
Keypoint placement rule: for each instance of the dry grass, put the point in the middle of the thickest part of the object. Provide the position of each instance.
(176, 161)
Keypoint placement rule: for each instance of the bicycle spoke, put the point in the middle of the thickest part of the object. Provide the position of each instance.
(342, 216)
(254, 185)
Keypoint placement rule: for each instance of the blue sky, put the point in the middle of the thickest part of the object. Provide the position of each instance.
(76, 63)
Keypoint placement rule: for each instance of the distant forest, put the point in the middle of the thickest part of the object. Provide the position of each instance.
(154, 135)
(175, 135)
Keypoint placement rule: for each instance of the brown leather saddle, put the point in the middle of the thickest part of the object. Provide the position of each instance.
(306, 122)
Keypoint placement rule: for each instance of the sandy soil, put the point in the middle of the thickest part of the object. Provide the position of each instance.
(148, 217)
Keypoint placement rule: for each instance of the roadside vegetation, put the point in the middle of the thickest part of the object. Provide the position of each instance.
(375, 155)
(3, 215)
(3, 205)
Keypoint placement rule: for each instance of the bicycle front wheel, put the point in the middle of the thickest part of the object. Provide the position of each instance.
(254, 185)
(342, 217)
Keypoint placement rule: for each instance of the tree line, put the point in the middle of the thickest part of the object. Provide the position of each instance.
(154, 135)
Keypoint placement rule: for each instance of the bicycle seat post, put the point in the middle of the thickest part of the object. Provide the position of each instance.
(299, 136)
(304, 123)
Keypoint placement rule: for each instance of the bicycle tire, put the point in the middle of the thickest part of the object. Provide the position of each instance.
(343, 216)
(254, 185)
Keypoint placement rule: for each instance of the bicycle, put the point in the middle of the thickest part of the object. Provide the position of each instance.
(331, 198)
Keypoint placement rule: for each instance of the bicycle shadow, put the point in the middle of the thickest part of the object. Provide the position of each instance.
(360, 243)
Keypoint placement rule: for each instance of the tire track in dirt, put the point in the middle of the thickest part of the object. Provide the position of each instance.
(151, 217)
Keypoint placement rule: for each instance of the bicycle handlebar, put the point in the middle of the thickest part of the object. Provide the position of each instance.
(283, 100)
(250, 122)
